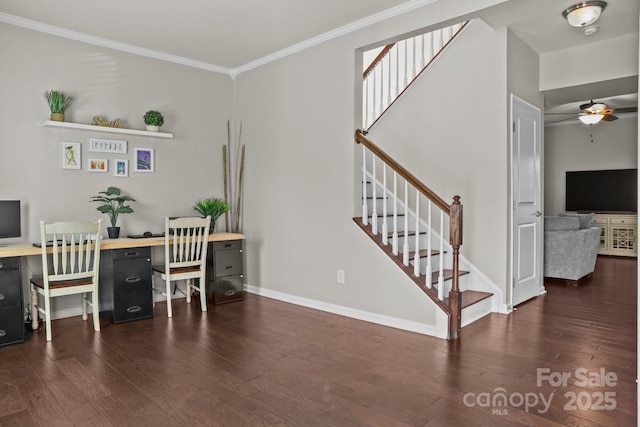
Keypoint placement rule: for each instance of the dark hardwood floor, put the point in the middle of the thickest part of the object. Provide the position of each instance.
(265, 362)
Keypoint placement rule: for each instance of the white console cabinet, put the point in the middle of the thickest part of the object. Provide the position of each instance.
(619, 234)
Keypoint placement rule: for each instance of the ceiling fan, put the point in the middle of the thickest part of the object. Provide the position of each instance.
(593, 112)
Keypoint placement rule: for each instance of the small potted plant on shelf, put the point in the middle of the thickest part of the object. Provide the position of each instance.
(211, 206)
(153, 119)
(113, 204)
(58, 103)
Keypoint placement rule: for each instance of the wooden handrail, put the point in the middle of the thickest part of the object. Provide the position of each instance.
(423, 189)
(378, 58)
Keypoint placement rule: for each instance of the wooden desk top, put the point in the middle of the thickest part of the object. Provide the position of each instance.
(124, 242)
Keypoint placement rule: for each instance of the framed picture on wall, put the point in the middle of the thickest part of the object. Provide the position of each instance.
(144, 160)
(71, 156)
(107, 145)
(121, 168)
(98, 165)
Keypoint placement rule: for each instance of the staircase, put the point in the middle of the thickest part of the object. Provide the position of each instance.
(418, 245)
(425, 246)
(397, 66)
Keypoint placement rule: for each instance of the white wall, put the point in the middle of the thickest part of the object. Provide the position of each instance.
(568, 147)
(196, 105)
(592, 62)
(298, 123)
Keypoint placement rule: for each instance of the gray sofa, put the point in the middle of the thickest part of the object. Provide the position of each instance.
(571, 243)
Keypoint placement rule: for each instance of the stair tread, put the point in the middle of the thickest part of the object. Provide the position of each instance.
(471, 297)
(423, 253)
(447, 274)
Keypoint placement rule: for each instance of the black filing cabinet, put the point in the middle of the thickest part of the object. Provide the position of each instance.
(126, 292)
(225, 271)
(11, 320)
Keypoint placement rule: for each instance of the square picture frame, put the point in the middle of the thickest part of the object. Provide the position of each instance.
(144, 160)
(71, 155)
(121, 168)
(98, 165)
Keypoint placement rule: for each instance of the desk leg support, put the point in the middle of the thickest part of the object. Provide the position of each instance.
(34, 310)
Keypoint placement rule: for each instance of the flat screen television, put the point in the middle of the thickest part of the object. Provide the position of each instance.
(9, 218)
(602, 191)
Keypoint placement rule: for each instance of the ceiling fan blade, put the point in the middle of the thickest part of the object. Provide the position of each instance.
(587, 105)
(627, 110)
(609, 118)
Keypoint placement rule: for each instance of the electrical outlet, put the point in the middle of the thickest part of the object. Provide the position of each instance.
(340, 278)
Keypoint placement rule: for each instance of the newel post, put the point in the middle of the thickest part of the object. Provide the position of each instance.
(455, 239)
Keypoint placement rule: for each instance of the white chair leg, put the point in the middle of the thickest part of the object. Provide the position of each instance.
(34, 309)
(84, 306)
(188, 286)
(47, 317)
(203, 294)
(169, 311)
(96, 310)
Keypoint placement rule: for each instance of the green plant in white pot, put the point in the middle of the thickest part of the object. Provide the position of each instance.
(211, 206)
(58, 103)
(113, 204)
(153, 119)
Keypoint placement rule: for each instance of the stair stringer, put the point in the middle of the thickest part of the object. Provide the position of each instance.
(475, 280)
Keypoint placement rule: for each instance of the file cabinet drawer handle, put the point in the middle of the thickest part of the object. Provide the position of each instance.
(133, 279)
(135, 253)
(134, 309)
(230, 293)
(228, 267)
(2, 333)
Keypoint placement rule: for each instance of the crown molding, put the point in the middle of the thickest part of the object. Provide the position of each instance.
(330, 35)
(98, 41)
(232, 72)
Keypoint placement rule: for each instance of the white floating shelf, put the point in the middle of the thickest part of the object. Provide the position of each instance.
(69, 125)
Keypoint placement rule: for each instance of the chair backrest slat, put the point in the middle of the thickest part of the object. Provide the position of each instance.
(75, 250)
(186, 241)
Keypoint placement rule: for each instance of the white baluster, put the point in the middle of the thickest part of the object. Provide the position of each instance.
(416, 254)
(374, 203)
(385, 227)
(389, 89)
(397, 48)
(373, 97)
(406, 64)
(429, 270)
(405, 245)
(441, 258)
(423, 60)
(365, 213)
(394, 239)
(413, 71)
(365, 113)
(381, 88)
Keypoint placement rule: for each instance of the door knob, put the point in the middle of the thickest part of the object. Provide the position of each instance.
(538, 214)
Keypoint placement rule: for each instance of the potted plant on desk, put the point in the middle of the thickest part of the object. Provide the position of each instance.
(113, 204)
(211, 206)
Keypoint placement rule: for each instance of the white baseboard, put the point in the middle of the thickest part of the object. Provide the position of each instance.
(393, 322)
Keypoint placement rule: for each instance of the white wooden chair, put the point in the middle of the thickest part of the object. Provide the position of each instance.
(70, 268)
(185, 256)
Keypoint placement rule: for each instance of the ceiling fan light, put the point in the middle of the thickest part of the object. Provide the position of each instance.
(584, 13)
(591, 119)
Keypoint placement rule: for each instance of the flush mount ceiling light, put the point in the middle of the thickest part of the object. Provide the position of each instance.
(584, 13)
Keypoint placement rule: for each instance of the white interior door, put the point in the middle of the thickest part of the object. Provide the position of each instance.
(527, 193)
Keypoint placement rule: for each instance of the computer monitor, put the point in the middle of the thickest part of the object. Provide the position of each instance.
(9, 218)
